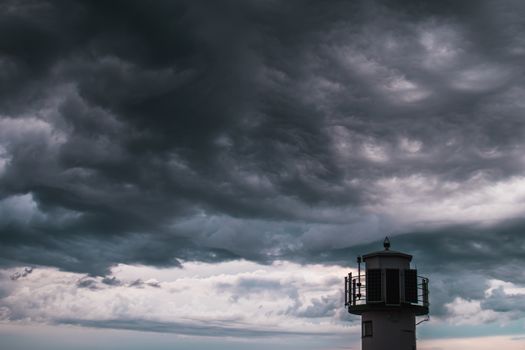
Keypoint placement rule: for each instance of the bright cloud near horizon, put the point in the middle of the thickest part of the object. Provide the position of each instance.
(196, 174)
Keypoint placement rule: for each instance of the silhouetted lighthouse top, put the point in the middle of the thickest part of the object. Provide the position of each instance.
(388, 296)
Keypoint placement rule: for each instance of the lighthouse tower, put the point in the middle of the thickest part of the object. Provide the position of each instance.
(388, 297)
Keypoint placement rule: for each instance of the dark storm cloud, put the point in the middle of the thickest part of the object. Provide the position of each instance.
(141, 284)
(154, 133)
(495, 251)
(20, 274)
(326, 306)
(88, 283)
(111, 281)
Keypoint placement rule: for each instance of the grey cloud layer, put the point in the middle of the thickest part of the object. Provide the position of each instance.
(156, 133)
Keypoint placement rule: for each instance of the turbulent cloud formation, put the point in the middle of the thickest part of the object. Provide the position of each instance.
(196, 131)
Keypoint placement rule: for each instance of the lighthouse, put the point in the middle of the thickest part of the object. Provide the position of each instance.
(388, 296)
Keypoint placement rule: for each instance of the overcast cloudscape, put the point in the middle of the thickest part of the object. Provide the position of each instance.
(196, 174)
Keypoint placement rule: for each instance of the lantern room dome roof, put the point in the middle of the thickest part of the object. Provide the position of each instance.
(387, 252)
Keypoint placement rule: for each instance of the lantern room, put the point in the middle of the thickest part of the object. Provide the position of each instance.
(389, 282)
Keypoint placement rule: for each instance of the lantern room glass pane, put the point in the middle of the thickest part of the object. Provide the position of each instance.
(373, 285)
(411, 286)
(392, 286)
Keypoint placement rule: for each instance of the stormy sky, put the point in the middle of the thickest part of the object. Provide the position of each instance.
(204, 173)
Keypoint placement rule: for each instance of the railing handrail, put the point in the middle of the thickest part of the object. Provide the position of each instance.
(356, 292)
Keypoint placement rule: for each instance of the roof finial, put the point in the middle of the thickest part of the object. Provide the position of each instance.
(386, 243)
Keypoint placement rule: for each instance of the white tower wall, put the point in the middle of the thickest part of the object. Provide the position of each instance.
(391, 330)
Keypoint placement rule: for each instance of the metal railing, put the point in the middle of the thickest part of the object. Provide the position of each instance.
(356, 292)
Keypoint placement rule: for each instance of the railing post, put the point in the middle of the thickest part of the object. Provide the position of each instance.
(346, 291)
(353, 291)
(424, 284)
(349, 287)
(359, 288)
(359, 277)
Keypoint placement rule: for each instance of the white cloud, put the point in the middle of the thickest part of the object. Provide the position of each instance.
(21, 209)
(282, 297)
(4, 159)
(482, 77)
(387, 81)
(403, 90)
(443, 45)
(422, 199)
(409, 145)
(374, 151)
(470, 312)
(507, 287)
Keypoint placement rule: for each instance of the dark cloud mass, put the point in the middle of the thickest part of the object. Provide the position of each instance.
(161, 132)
